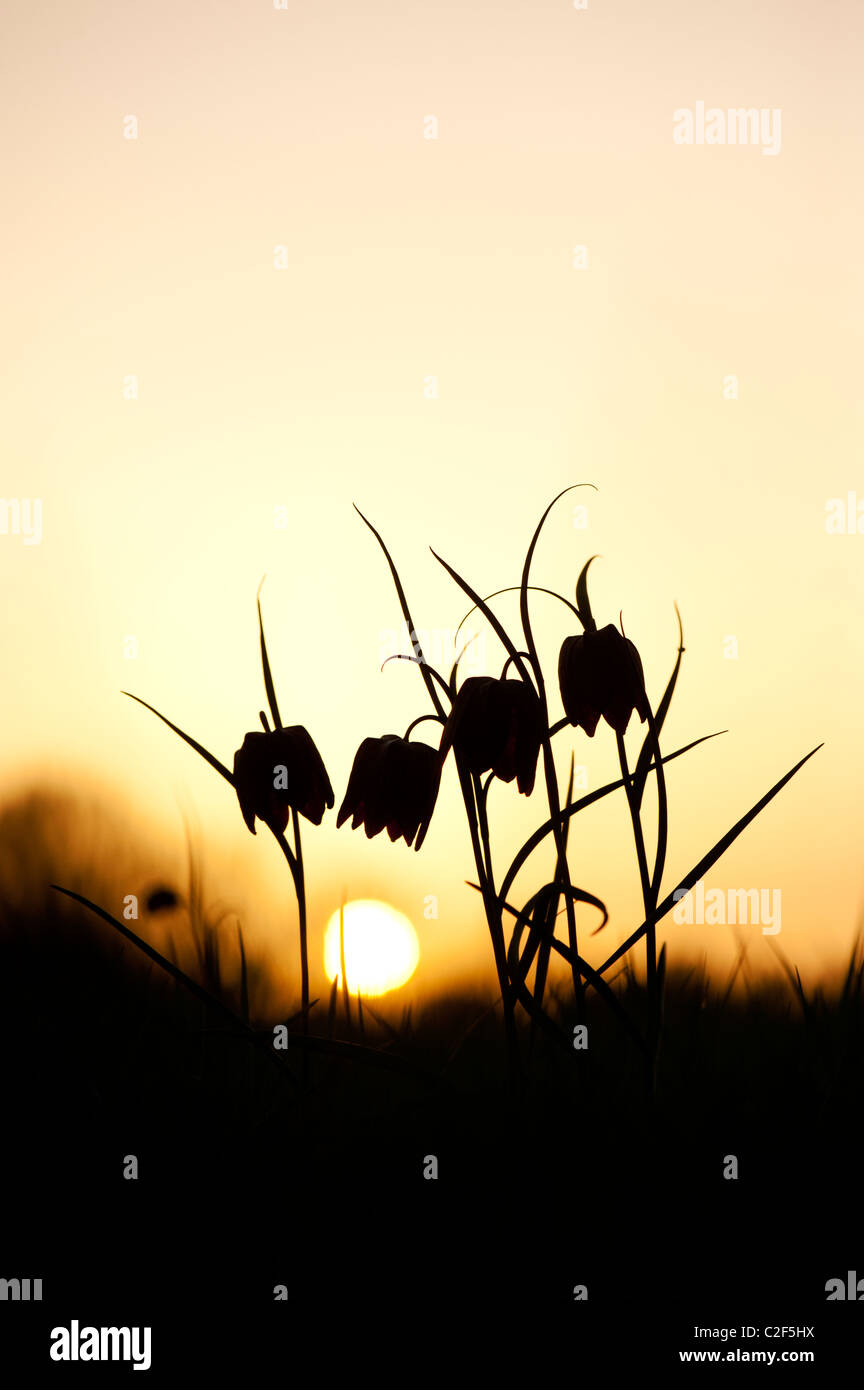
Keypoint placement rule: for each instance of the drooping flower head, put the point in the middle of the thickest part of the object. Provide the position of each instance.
(497, 725)
(600, 675)
(277, 771)
(393, 783)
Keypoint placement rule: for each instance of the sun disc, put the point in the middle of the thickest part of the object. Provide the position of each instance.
(381, 947)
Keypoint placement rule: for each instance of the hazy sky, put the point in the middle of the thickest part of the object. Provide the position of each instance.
(284, 261)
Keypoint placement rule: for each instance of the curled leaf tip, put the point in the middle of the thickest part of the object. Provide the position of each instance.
(583, 603)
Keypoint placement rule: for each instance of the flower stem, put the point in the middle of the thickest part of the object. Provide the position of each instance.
(562, 868)
(639, 838)
(478, 825)
(650, 891)
(656, 878)
(301, 907)
(295, 864)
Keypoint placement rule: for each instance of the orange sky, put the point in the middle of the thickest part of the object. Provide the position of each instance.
(302, 387)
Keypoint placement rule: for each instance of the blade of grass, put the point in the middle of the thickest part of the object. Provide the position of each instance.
(208, 757)
(543, 830)
(640, 773)
(332, 1048)
(342, 971)
(403, 603)
(526, 568)
(583, 603)
(176, 974)
(244, 978)
(265, 666)
(331, 1014)
(490, 617)
(601, 985)
(705, 863)
(793, 976)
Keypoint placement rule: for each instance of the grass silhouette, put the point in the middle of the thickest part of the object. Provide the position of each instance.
(106, 1053)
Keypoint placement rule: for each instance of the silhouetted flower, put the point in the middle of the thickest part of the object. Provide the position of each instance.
(162, 900)
(276, 771)
(496, 724)
(600, 673)
(393, 783)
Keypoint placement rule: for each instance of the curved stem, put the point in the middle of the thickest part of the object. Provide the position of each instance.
(509, 662)
(574, 808)
(422, 719)
(514, 589)
(523, 962)
(419, 661)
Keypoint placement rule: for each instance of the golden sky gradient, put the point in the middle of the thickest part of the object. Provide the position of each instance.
(306, 387)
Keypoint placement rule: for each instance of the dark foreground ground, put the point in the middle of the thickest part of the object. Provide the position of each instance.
(248, 1180)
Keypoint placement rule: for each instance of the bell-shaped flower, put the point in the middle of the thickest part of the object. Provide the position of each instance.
(393, 783)
(600, 674)
(278, 771)
(497, 725)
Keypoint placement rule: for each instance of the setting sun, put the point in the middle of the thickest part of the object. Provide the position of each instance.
(381, 947)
